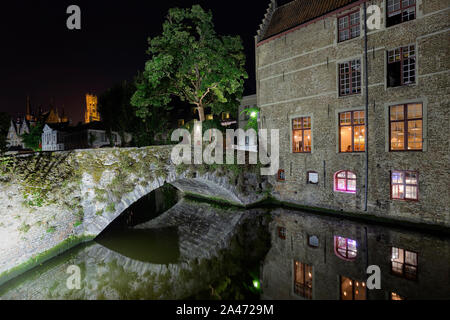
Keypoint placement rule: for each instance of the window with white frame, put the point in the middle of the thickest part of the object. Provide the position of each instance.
(399, 11)
(350, 77)
(349, 26)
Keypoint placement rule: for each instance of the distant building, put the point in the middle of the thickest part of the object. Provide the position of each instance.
(250, 143)
(23, 124)
(60, 137)
(362, 128)
(16, 130)
(53, 137)
(91, 114)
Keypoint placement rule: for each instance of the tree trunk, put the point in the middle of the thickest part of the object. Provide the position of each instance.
(201, 113)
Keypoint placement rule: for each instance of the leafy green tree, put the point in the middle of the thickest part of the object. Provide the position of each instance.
(5, 121)
(32, 140)
(119, 115)
(115, 109)
(191, 62)
(252, 118)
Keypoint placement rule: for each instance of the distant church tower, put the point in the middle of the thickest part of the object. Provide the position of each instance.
(91, 114)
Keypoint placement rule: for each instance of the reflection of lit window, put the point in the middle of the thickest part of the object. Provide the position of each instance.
(352, 131)
(345, 181)
(405, 185)
(282, 233)
(345, 248)
(404, 263)
(352, 290)
(396, 297)
(301, 135)
(313, 241)
(281, 175)
(303, 280)
(406, 127)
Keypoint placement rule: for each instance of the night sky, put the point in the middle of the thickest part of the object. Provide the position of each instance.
(41, 58)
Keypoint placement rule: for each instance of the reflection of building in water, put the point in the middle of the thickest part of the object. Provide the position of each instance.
(326, 259)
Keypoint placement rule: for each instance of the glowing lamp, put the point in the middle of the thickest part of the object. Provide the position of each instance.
(256, 284)
(254, 114)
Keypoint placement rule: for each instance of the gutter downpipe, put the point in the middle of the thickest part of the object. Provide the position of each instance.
(366, 72)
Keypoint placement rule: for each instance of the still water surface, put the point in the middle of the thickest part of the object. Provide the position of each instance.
(196, 250)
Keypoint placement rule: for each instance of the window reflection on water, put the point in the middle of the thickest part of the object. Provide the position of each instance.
(294, 254)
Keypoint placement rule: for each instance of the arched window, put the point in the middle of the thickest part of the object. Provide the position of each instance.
(281, 175)
(345, 248)
(345, 181)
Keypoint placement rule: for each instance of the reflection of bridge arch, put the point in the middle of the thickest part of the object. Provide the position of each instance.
(99, 213)
(80, 192)
(95, 223)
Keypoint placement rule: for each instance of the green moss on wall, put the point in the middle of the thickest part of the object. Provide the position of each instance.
(65, 245)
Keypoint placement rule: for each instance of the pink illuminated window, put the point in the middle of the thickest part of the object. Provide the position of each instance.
(345, 248)
(345, 181)
(405, 185)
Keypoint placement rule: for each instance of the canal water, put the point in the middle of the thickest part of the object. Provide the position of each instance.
(169, 247)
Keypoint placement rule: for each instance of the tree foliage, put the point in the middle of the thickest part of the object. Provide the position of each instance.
(252, 114)
(119, 115)
(32, 140)
(190, 61)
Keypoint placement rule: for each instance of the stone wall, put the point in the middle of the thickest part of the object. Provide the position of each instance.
(297, 75)
(52, 201)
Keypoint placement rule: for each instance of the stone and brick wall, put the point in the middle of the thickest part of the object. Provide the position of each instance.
(297, 75)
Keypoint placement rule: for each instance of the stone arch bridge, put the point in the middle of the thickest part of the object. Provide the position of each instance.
(50, 202)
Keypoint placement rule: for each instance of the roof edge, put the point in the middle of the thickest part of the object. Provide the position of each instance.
(266, 21)
(295, 28)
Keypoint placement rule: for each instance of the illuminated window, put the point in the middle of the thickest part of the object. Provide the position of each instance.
(399, 11)
(396, 297)
(352, 290)
(350, 78)
(301, 135)
(281, 175)
(303, 280)
(406, 127)
(345, 248)
(401, 67)
(225, 116)
(281, 233)
(404, 263)
(345, 181)
(352, 131)
(349, 26)
(404, 185)
(209, 117)
(180, 122)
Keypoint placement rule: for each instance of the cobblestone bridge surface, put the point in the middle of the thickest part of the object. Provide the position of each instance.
(50, 202)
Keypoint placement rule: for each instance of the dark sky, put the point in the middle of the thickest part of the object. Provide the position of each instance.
(40, 57)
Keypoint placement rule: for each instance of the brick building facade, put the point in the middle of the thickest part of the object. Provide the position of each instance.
(311, 85)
